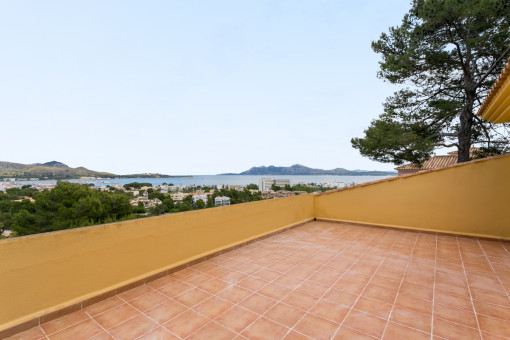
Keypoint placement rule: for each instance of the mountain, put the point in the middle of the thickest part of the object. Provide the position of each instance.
(298, 169)
(48, 170)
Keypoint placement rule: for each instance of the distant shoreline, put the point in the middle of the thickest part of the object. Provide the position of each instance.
(346, 175)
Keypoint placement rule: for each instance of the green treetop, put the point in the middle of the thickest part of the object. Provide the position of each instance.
(445, 55)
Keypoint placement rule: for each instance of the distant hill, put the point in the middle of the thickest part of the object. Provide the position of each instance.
(48, 170)
(298, 169)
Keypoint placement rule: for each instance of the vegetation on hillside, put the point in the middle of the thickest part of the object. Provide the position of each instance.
(68, 205)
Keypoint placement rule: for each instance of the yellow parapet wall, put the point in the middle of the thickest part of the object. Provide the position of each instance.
(43, 273)
(469, 199)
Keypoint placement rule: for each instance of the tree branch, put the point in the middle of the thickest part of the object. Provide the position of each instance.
(492, 67)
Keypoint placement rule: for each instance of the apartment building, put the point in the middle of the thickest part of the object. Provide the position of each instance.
(265, 184)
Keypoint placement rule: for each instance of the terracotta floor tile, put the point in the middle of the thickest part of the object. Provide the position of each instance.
(495, 326)
(322, 268)
(390, 275)
(30, 334)
(419, 281)
(267, 274)
(213, 331)
(374, 307)
(115, 316)
(346, 333)
(495, 288)
(258, 303)
(384, 283)
(341, 297)
(274, 291)
(312, 288)
(186, 323)
(364, 268)
(325, 279)
(396, 331)
(160, 333)
(453, 301)
(300, 272)
(232, 277)
(265, 329)
(234, 294)
(284, 314)
(248, 268)
(103, 306)
(213, 307)
(450, 330)
(289, 281)
(316, 327)
(165, 311)
(453, 289)
(293, 335)
(133, 328)
(496, 311)
(421, 292)
(488, 297)
(214, 286)
(412, 303)
(175, 288)
(252, 283)
(379, 293)
(135, 292)
(354, 276)
(300, 300)
(64, 322)
(461, 316)
(215, 270)
(102, 336)
(349, 286)
(329, 310)
(490, 336)
(237, 318)
(197, 278)
(148, 301)
(411, 319)
(192, 297)
(82, 330)
(365, 323)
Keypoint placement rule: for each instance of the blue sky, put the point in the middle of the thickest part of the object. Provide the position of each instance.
(190, 87)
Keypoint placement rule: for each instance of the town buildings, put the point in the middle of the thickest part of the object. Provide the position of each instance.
(265, 184)
(221, 201)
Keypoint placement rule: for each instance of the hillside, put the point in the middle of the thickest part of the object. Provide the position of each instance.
(49, 170)
(298, 169)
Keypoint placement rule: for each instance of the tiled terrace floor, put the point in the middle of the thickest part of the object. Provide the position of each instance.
(321, 280)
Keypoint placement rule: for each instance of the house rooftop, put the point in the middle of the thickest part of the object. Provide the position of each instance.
(320, 280)
(434, 162)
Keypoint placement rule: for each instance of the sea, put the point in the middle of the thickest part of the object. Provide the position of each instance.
(209, 180)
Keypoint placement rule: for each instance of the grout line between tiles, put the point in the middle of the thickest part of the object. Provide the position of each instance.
(410, 256)
(469, 289)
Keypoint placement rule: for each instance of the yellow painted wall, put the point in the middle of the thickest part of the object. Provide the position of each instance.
(45, 272)
(469, 199)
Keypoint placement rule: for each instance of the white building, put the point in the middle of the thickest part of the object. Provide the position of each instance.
(265, 184)
(178, 197)
(221, 201)
(334, 184)
(196, 198)
(147, 203)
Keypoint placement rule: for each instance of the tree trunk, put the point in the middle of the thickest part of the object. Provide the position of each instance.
(466, 122)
